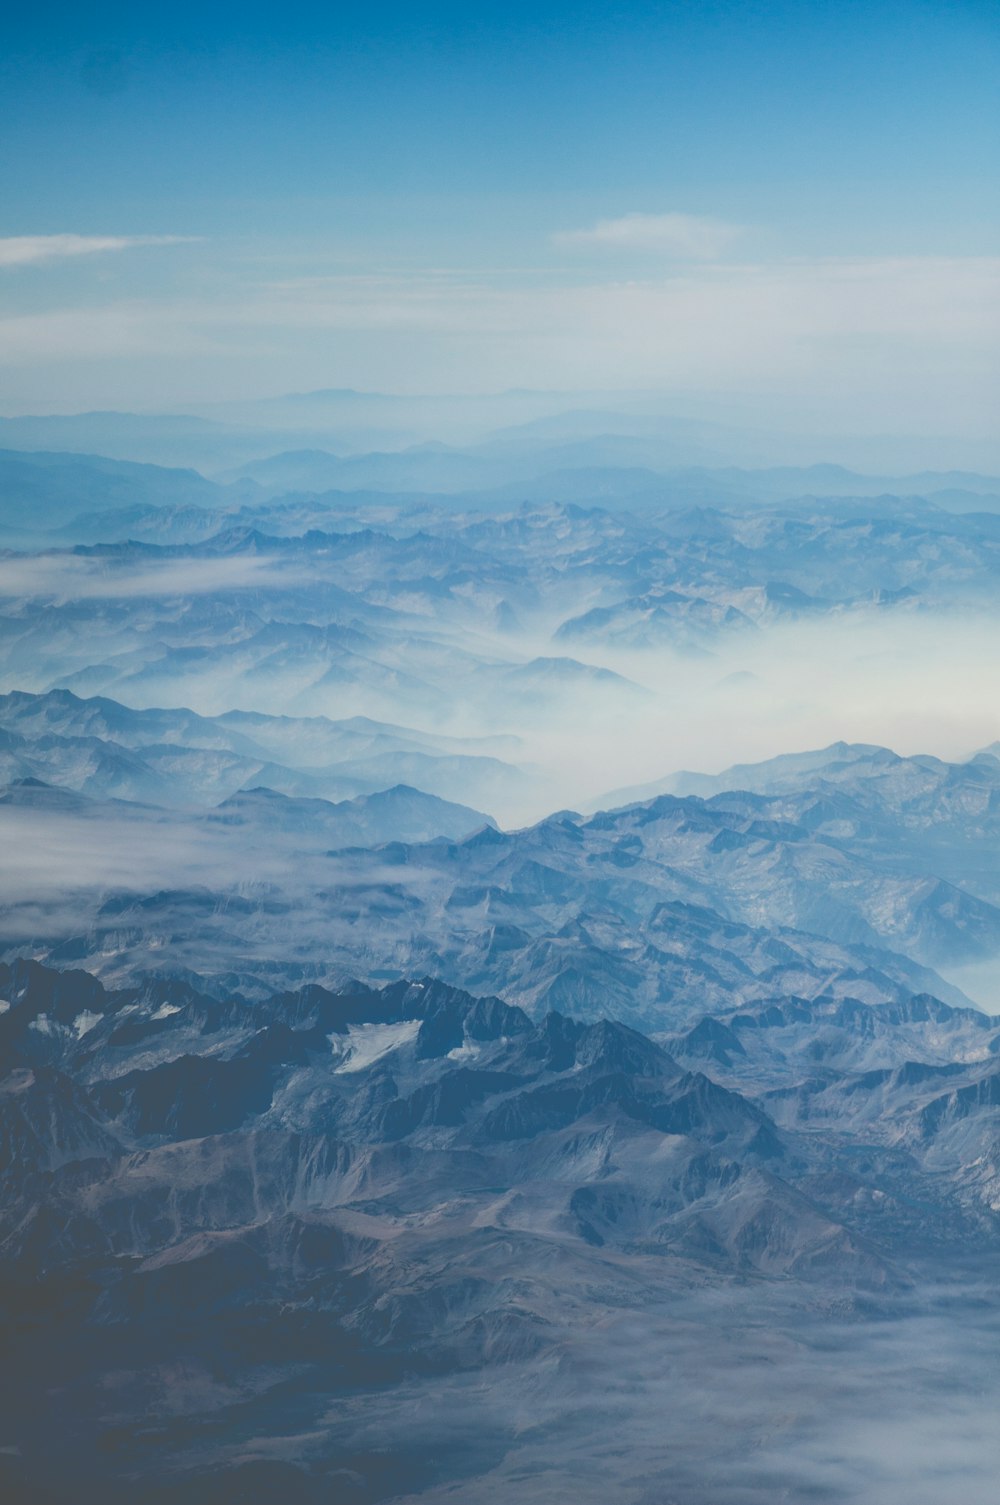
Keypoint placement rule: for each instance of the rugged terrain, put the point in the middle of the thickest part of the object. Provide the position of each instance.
(412, 1086)
(235, 1232)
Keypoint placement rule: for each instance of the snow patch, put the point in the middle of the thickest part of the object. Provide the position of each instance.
(367, 1043)
(467, 1052)
(165, 1010)
(84, 1023)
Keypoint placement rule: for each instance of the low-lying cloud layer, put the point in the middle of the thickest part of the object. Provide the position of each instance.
(724, 1401)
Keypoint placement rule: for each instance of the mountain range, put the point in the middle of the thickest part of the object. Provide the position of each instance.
(428, 1073)
(861, 873)
(263, 1223)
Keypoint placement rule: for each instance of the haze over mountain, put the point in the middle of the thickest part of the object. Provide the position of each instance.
(362, 1101)
(549, 623)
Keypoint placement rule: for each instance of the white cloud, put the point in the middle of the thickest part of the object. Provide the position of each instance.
(688, 236)
(26, 250)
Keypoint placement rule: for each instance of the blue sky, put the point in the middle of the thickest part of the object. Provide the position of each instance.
(442, 184)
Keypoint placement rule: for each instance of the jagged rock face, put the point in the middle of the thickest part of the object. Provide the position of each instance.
(912, 1083)
(349, 1188)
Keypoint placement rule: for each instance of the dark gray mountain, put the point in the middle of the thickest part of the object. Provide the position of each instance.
(229, 1228)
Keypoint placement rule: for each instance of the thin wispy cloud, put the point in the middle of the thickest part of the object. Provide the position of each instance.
(688, 236)
(26, 250)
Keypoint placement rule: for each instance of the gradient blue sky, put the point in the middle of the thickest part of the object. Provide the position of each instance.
(792, 196)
